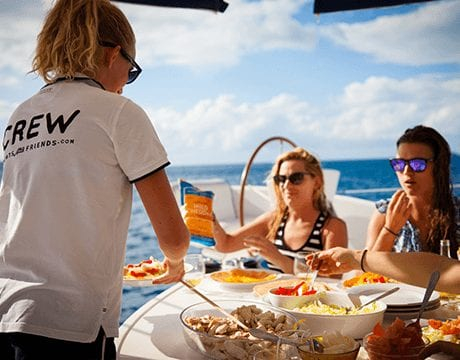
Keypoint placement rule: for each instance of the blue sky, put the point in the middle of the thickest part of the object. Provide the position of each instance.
(343, 85)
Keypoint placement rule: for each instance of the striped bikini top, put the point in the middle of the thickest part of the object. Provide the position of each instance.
(313, 242)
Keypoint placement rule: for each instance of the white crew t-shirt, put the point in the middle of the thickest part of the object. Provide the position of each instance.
(71, 153)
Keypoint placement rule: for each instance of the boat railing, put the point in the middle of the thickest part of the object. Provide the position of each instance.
(247, 168)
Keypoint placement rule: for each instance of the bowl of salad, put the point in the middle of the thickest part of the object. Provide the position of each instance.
(335, 311)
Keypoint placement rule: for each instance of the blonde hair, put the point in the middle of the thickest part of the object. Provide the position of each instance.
(313, 167)
(69, 41)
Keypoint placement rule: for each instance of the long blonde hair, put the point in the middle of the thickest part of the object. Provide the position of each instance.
(313, 167)
(69, 41)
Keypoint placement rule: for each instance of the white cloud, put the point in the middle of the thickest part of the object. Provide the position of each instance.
(175, 36)
(20, 23)
(429, 35)
(199, 38)
(374, 112)
(224, 124)
(381, 107)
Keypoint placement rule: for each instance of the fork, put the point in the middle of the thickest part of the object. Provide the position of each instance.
(314, 275)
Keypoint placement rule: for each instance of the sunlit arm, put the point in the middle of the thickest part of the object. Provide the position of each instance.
(164, 214)
(235, 240)
(411, 267)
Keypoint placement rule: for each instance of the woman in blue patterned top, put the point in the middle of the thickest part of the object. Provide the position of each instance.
(424, 211)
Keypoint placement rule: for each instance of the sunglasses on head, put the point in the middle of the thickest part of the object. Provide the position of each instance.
(417, 165)
(295, 178)
(135, 70)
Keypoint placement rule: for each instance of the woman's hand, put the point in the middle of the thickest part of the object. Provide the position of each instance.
(398, 212)
(334, 261)
(266, 249)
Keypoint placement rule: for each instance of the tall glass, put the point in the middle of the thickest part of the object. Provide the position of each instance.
(301, 268)
(194, 269)
(452, 303)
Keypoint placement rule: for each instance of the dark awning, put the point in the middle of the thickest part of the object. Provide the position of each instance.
(324, 6)
(216, 5)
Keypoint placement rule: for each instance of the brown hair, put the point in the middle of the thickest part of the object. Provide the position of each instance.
(442, 216)
(313, 167)
(69, 41)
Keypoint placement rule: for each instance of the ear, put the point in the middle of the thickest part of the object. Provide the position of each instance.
(110, 55)
(317, 183)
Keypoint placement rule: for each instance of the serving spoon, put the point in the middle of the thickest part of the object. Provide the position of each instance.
(429, 290)
(381, 296)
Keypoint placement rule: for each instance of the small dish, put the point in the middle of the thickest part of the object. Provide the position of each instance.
(290, 302)
(399, 340)
(334, 352)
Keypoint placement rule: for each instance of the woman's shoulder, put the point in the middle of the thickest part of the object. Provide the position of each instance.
(333, 221)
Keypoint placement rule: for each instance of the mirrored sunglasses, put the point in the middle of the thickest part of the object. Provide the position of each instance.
(135, 70)
(295, 178)
(417, 165)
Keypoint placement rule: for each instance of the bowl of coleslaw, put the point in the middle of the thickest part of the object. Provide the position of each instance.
(334, 311)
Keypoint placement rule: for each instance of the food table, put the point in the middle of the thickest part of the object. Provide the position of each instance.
(154, 331)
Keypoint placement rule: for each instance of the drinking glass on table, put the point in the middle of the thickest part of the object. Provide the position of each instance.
(194, 269)
(301, 268)
(452, 301)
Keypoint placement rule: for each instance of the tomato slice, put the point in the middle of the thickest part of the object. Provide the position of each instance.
(378, 330)
(137, 274)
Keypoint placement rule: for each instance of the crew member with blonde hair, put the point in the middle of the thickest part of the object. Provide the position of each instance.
(72, 153)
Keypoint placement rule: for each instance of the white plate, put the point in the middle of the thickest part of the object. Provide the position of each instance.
(233, 286)
(148, 282)
(407, 296)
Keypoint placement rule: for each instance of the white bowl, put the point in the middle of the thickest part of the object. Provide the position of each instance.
(353, 325)
(221, 346)
(290, 302)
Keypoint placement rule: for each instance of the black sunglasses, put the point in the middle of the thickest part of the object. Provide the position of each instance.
(135, 71)
(417, 165)
(295, 178)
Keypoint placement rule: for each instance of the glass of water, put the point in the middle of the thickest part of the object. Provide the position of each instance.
(194, 269)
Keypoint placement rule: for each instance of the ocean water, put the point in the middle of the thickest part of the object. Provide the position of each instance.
(357, 177)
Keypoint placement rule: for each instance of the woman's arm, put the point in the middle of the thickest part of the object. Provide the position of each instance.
(412, 268)
(384, 228)
(253, 237)
(228, 242)
(161, 207)
(379, 239)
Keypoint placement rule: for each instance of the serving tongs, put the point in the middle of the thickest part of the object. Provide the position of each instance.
(223, 311)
